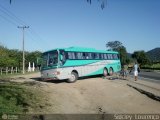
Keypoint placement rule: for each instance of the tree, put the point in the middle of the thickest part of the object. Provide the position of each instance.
(123, 55)
(114, 45)
(141, 57)
(118, 46)
(13, 57)
(33, 57)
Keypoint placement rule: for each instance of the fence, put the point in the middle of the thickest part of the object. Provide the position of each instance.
(8, 70)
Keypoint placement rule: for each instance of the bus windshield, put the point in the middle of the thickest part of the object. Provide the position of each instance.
(50, 59)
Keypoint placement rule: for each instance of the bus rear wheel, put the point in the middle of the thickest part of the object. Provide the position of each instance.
(73, 77)
(111, 71)
(105, 72)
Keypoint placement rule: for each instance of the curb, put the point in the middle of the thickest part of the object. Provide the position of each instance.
(149, 94)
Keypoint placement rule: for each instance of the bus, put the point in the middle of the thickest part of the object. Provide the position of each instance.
(74, 62)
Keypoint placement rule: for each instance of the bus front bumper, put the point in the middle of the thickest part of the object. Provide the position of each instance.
(49, 76)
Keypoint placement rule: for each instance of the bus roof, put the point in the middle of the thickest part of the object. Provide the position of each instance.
(82, 49)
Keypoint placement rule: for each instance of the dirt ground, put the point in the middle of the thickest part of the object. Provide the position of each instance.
(93, 95)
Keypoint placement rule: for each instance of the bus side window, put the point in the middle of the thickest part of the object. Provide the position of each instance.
(71, 55)
(105, 56)
(115, 57)
(90, 56)
(78, 55)
(86, 56)
(101, 56)
(111, 55)
(93, 55)
(96, 55)
(63, 56)
(108, 56)
(83, 56)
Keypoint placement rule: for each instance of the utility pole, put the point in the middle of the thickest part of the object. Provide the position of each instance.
(23, 27)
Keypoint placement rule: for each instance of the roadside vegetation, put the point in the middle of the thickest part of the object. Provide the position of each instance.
(154, 66)
(13, 57)
(146, 61)
(20, 97)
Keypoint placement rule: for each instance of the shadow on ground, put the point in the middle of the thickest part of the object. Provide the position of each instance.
(65, 80)
(48, 81)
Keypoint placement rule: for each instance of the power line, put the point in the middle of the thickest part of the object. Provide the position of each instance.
(11, 15)
(9, 20)
(16, 21)
(35, 41)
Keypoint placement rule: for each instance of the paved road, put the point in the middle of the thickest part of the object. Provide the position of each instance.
(151, 75)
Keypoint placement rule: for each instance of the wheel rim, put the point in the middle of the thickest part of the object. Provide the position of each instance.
(111, 71)
(105, 72)
(72, 78)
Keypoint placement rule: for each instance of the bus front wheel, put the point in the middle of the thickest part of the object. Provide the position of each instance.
(73, 77)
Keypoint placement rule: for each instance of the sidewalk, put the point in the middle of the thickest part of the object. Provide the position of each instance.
(151, 89)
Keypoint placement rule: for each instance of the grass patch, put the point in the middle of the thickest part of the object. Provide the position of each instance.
(19, 98)
(16, 74)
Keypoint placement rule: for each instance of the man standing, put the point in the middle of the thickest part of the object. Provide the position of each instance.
(136, 67)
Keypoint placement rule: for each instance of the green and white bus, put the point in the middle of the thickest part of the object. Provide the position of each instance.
(74, 62)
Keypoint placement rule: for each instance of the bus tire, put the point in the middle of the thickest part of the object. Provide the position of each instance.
(42, 79)
(105, 72)
(111, 71)
(73, 78)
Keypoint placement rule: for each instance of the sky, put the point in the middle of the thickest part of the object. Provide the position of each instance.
(65, 23)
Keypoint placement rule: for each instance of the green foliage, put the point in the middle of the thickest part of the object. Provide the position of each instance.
(13, 98)
(33, 57)
(141, 57)
(118, 46)
(20, 98)
(114, 45)
(155, 66)
(13, 57)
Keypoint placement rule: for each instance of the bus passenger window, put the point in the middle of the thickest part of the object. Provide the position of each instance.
(86, 56)
(101, 56)
(63, 56)
(78, 55)
(90, 55)
(115, 56)
(73, 55)
(96, 55)
(93, 55)
(109, 56)
(83, 56)
(105, 56)
(69, 55)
